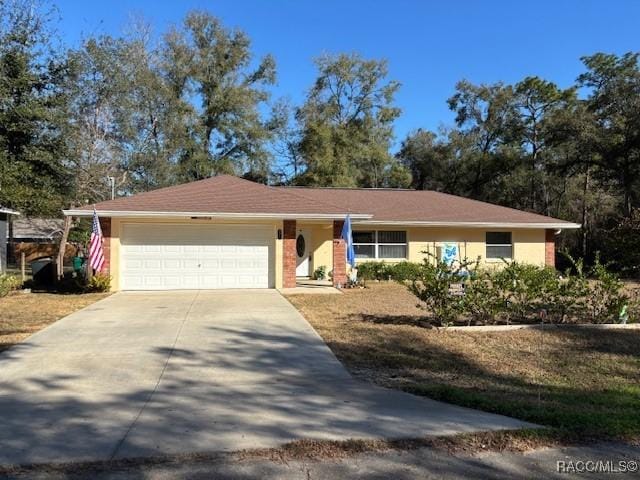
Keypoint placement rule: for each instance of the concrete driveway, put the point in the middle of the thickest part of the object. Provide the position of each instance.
(141, 374)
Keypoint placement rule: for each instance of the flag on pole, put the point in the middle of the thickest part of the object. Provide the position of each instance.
(96, 253)
(348, 238)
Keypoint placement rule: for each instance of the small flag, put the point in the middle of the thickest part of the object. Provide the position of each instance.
(348, 238)
(96, 253)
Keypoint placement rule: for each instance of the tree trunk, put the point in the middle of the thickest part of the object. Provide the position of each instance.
(63, 246)
(585, 211)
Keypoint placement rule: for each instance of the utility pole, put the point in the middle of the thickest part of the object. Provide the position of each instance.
(112, 182)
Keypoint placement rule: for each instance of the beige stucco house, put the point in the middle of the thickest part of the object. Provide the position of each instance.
(226, 232)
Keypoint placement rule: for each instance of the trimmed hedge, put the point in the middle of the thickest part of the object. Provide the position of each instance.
(399, 272)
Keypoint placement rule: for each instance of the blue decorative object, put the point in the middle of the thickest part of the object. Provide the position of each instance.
(449, 253)
(348, 238)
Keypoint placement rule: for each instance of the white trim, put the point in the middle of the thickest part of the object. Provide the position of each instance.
(268, 216)
(359, 219)
(8, 211)
(559, 226)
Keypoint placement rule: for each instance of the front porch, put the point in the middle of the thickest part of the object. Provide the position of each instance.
(311, 247)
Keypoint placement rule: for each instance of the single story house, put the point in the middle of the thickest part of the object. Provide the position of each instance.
(4, 229)
(226, 232)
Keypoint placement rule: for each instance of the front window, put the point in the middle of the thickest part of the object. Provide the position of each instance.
(380, 244)
(499, 245)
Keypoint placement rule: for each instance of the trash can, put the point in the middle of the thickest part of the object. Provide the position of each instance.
(42, 271)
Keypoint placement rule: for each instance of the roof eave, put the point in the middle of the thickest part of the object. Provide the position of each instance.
(221, 215)
(532, 225)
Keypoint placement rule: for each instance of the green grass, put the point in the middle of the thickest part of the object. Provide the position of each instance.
(608, 414)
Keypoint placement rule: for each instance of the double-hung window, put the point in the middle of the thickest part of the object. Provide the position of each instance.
(380, 244)
(499, 245)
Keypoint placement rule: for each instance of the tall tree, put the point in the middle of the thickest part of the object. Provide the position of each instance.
(484, 117)
(32, 111)
(430, 160)
(94, 144)
(213, 65)
(346, 125)
(536, 101)
(151, 120)
(614, 83)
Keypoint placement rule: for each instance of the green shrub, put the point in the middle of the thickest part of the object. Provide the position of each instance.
(606, 296)
(524, 289)
(432, 286)
(633, 310)
(98, 283)
(518, 292)
(482, 301)
(8, 283)
(566, 298)
(399, 272)
(404, 271)
(320, 273)
(374, 271)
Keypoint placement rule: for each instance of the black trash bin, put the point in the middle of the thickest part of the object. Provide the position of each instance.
(43, 271)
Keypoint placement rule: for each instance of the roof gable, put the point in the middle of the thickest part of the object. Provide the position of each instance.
(223, 194)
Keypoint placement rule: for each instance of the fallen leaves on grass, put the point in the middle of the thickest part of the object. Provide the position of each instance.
(582, 381)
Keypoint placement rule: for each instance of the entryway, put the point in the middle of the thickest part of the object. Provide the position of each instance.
(303, 253)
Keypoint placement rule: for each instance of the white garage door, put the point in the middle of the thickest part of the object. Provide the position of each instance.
(168, 256)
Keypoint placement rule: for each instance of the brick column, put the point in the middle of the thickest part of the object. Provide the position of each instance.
(289, 255)
(550, 248)
(105, 225)
(339, 255)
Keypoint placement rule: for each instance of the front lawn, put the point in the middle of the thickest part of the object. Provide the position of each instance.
(23, 314)
(581, 382)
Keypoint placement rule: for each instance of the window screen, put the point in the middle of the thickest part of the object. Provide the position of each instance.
(499, 245)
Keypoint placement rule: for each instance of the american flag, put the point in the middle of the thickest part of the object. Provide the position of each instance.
(96, 254)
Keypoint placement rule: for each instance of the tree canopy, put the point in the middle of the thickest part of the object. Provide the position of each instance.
(146, 110)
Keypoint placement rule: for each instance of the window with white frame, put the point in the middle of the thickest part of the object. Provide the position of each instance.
(499, 245)
(380, 244)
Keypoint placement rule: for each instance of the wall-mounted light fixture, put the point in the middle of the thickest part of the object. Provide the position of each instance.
(279, 234)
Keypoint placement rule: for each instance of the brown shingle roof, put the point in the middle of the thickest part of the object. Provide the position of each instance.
(223, 194)
(226, 194)
(401, 205)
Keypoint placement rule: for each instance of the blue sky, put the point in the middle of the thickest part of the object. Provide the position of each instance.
(429, 45)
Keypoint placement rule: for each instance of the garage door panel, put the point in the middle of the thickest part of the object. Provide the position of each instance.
(156, 256)
(171, 264)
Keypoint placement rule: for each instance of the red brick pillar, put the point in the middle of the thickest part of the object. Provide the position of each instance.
(105, 225)
(339, 255)
(550, 248)
(289, 255)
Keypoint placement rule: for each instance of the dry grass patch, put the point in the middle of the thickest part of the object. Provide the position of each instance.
(580, 381)
(23, 314)
(310, 450)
